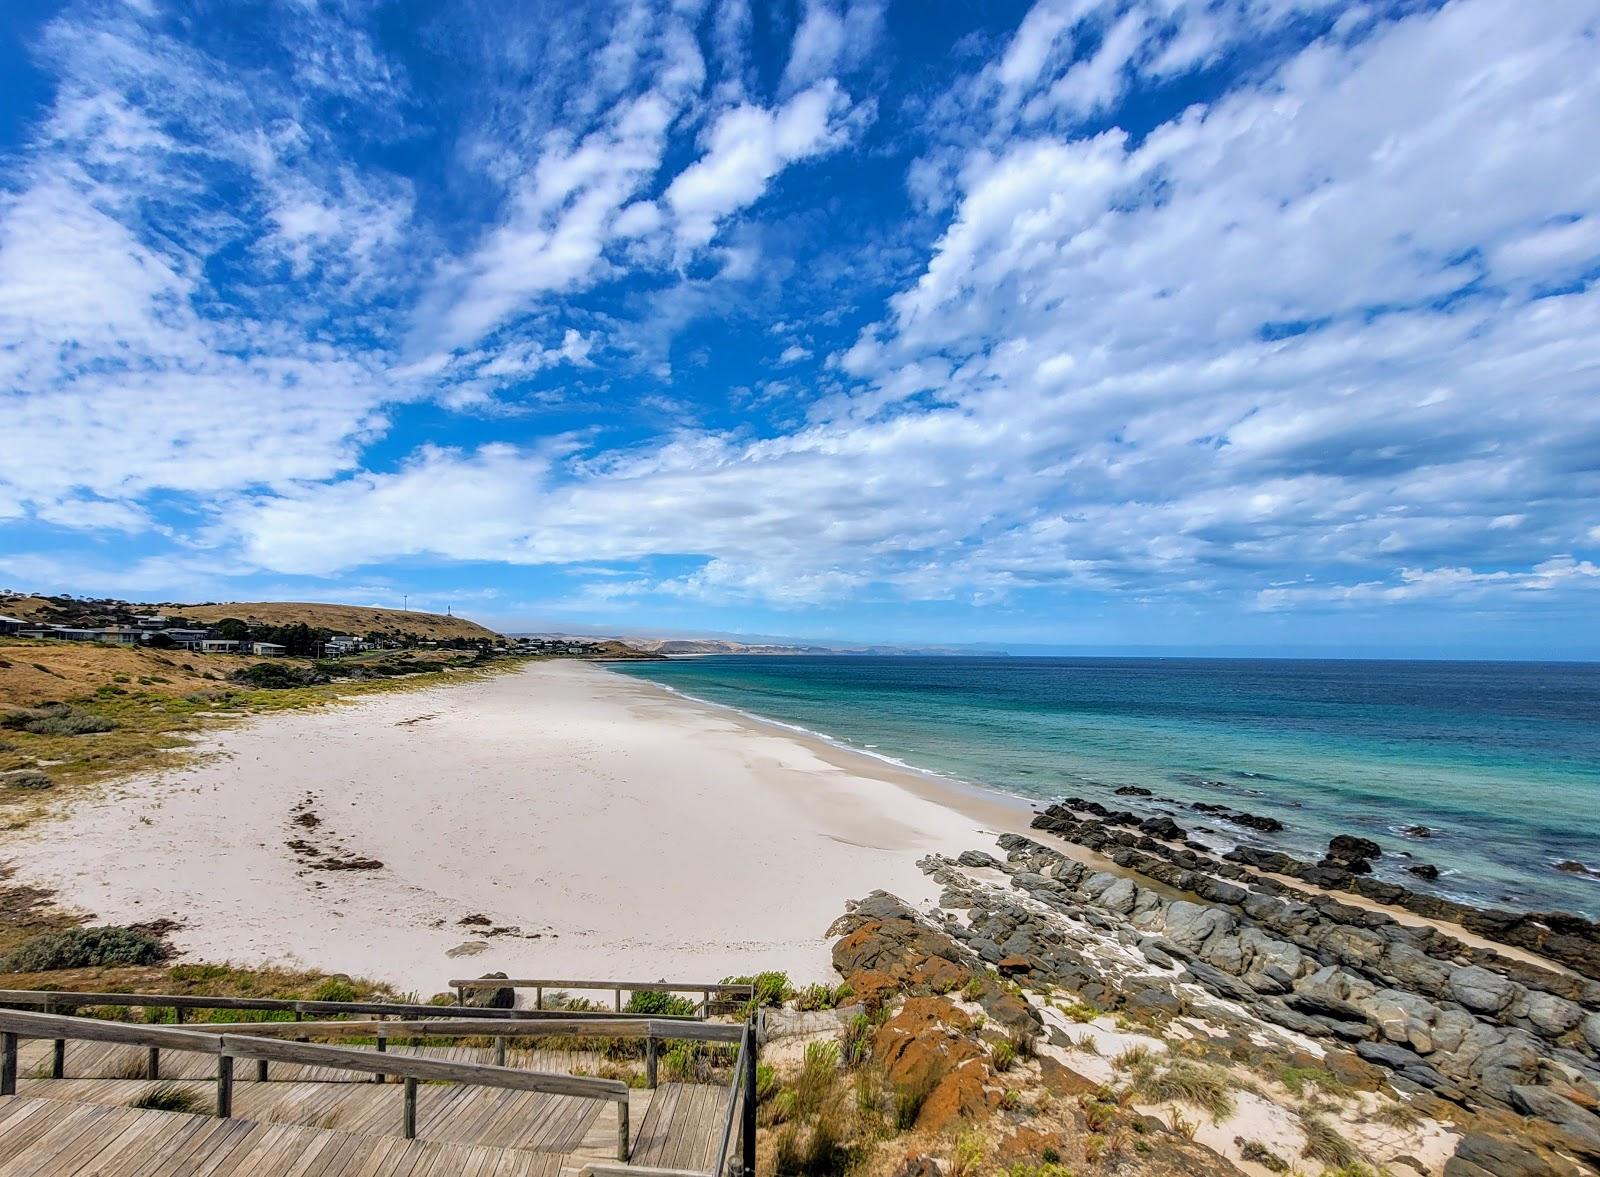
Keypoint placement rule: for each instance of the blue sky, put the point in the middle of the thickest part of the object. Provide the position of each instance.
(1243, 323)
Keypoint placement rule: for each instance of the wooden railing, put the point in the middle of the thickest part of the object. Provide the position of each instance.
(741, 1111)
(726, 990)
(66, 1000)
(16, 1024)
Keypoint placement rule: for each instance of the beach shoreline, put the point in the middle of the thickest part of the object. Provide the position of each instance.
(621, 829)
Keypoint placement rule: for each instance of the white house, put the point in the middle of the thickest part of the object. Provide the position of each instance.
(218, 646)
(268, 649)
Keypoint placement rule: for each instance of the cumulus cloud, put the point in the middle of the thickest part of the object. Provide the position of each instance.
(1320, 339)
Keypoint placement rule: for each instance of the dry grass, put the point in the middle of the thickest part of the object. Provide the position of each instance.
(1206, 1087)
(1327, 1144)
(355, 619)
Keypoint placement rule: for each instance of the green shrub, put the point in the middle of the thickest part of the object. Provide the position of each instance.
(814, 997)
(57, 719)
(26, 778)
(653, 1004)
(771, 989)
(1003, 1054)
(279, 676)
(79, 948)
(336, 989)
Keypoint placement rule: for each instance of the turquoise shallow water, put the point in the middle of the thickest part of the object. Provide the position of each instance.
(1501, 759)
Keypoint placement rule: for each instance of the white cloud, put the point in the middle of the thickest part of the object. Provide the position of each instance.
(744, 149)
(830, 40)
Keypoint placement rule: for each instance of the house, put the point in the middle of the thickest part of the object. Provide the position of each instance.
(13, 624)
(121, 635)
(218, 646)
(151, 621)
(188, 639)
(67, 634)
(344, 644)
(268, 649)
(37, 631)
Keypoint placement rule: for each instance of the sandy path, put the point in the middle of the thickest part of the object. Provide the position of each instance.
(625, 831)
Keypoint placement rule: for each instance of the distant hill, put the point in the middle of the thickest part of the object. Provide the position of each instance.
(355, 619)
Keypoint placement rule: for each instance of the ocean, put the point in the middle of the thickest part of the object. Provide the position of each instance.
(1501, 760)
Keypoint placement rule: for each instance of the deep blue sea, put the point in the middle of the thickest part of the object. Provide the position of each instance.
(1501, 759)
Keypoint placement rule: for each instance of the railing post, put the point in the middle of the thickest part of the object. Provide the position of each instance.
(622, 1128)
(409, 1125)
(747, 1128)
(650, 1056)
(8, 1063)
(500, 1051)
(177, 1015)
(152, 1063)
(383, 1048)
(261, 1070)
(58, 1059)
(224, 1085)
(538, 997)
(461, 995)
(619, 1001)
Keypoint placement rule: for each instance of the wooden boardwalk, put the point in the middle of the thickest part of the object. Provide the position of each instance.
(452, 1113)
(56, 1138)
(107, 1060)
(682, 1127)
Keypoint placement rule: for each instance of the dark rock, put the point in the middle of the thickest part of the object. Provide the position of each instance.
(1220, 982)
(1582, 1128)
(1576, 868)
(1347, 846)
(1482, 1155)
(1316, 1006)
(977, 858)
(1396, 1058)
(1417, 832)
(1162, 827)
(1424, 870)
(491, 998)
(1267, 825)
(1133, 791)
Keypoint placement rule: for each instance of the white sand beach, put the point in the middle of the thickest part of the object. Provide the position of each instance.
(622, 830)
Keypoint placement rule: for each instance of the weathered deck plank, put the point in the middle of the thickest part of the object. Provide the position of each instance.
(58, 1138)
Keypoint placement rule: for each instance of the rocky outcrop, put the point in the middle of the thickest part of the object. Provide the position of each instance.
(1465, 1025)
(886, 948)
(1566, 939)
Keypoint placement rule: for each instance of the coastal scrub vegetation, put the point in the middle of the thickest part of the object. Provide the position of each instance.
(77, 948)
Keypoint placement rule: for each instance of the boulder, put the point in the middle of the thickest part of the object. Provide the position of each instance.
(978, 859)
(1482, 991)
(491, 998)
(1348, 847)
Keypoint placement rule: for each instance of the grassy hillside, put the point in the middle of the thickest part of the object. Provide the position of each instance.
(356, 619)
